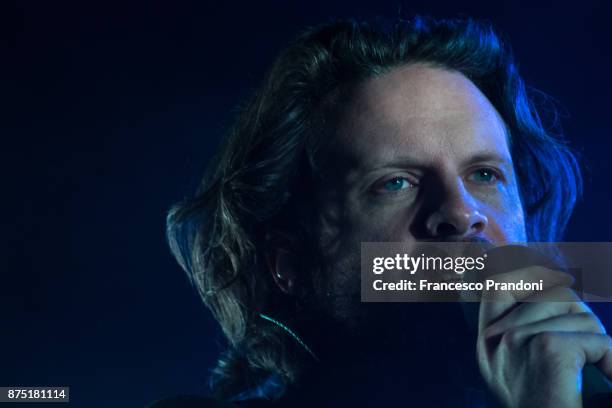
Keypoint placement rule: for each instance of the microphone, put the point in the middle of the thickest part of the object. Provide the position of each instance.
(596, 388)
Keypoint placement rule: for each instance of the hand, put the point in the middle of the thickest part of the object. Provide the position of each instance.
(531, 350)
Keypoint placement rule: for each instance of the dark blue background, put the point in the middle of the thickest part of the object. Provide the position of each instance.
(111, 111)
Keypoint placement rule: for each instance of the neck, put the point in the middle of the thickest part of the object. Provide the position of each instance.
(413, 347)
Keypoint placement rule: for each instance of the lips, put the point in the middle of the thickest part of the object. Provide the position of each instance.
(444, 276)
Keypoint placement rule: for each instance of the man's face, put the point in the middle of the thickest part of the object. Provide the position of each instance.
(421, 154)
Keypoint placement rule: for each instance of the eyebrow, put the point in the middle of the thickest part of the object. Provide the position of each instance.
(488, 156)
(411, 160)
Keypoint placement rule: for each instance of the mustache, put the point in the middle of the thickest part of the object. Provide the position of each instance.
(467, 240)
(476, 246)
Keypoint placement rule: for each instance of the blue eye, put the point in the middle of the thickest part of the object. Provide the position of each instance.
(484, 175)
(396, 184)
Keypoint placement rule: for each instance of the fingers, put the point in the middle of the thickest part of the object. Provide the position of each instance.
(539, 340)
(544, 369)
(605, 364)
(572, 350)
(536, 310)
(496, 304)
(549, 277)
(514, 336)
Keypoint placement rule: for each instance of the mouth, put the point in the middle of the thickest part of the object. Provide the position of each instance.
(444, 276)
(484, 242)
(449, 277)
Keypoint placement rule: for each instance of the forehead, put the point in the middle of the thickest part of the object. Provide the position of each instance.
(430, 113)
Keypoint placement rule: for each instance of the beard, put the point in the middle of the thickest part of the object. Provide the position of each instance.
(334, 297)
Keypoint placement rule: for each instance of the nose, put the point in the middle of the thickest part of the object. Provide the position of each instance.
(456, 214)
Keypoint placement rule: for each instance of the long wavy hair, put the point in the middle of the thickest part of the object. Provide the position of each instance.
(220, 234)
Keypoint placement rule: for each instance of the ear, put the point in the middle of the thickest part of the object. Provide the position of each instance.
(282, 264)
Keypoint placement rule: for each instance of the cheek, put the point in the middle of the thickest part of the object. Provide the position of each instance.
(340, 245)
(507, 220)
(382, 223)
(510, 228)
(392, 223)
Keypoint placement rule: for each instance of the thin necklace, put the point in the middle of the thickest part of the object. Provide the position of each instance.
(291, 333)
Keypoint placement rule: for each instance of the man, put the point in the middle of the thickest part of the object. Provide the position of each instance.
(359, 133)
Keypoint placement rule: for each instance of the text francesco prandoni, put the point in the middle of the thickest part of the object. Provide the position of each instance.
(412, 265)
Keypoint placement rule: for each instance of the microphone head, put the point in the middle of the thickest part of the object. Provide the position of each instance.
(508, 258)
